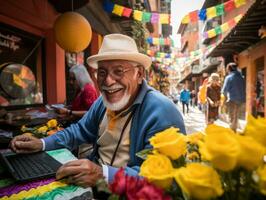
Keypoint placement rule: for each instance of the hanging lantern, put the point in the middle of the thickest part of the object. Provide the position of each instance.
(72, 32)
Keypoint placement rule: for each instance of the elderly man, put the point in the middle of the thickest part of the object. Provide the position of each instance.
(120, 122)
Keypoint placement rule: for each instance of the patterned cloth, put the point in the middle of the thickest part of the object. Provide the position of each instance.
(45, 188)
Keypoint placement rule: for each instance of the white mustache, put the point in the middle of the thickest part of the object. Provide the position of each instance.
(113, 87)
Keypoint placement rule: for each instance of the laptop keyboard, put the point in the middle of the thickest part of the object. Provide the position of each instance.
(32, 166)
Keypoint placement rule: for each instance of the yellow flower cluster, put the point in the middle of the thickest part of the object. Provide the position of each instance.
(206, 158)
(49, 128)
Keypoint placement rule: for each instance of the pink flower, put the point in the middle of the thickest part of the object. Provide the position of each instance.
(119, 184)
(136, 188)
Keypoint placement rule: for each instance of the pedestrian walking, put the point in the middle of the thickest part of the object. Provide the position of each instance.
(234, 92)
(213, 98)
(193, 98)
(184, 98)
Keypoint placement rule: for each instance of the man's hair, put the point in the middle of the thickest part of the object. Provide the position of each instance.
(81, 75)
(231, 66)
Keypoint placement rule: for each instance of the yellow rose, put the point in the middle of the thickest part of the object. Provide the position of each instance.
(158, 169)
(220, 148)
(170, 143)
(262, 179)
(52, 123)
(212, 128)
(42, 129)
(256, 128)
(199, 181)
(194, 138)
(251, 152)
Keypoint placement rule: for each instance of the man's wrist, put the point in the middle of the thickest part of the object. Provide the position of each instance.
(43, 145)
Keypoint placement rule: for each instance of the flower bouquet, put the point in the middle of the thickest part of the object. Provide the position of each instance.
(215, 164)
(51, 127)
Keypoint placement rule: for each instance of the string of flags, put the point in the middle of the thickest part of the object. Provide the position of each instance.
(213, 11)
(222, 28)
(138, 15)
(163, 18)
(160, 41)
(186, 56)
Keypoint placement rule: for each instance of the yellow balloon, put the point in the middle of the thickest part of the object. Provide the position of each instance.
(72, 32)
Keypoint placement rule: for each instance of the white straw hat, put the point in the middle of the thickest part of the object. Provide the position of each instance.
(119, 47)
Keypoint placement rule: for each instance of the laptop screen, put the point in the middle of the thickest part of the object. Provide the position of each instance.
(28, 167)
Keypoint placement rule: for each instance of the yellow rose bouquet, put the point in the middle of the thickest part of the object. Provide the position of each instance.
(215, 164)
(51, 127)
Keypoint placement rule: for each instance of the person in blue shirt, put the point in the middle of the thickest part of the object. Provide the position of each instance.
(119, 123)
(185, 98)
(234, 91)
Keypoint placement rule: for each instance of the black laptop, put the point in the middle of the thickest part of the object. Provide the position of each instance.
(28, 167)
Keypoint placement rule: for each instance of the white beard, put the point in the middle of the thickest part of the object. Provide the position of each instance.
(117, 105)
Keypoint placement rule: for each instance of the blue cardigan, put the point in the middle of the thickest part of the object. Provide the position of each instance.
(154, 112)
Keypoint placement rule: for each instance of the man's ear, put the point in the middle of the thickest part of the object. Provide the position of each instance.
(140, 74)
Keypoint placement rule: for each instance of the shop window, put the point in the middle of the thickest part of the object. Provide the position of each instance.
(258, 105)
(21, 68)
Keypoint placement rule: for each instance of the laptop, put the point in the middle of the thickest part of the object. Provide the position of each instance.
(29, 167)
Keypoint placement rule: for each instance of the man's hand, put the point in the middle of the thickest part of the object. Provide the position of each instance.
(26, 144)
(81, 172)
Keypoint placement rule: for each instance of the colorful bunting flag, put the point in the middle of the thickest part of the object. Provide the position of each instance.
(118, 10)
(164, 18)
(211, 33)
(137, 15)
(108, 6)
(127, 12)
(194, 16)
(154, 18)
(185, 19)
(223, 28)
(202, 14)
(229, 5)
(211, 12)
(155, 41)
(239, 3)
(219, 9)
(146, 17)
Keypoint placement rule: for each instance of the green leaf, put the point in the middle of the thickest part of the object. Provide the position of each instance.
(144, 153)
(113, 197)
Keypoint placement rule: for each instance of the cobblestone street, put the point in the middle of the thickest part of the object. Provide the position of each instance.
(195, 120)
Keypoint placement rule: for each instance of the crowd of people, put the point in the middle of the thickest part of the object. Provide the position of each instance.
(212, 95)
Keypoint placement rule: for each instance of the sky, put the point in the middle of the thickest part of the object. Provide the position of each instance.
(179, 8)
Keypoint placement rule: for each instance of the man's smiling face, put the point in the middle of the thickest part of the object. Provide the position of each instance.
(119, 82)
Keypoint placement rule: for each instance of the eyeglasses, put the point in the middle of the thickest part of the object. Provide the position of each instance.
(116, 73)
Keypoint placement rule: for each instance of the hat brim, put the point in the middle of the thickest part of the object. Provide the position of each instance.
(143, 59)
